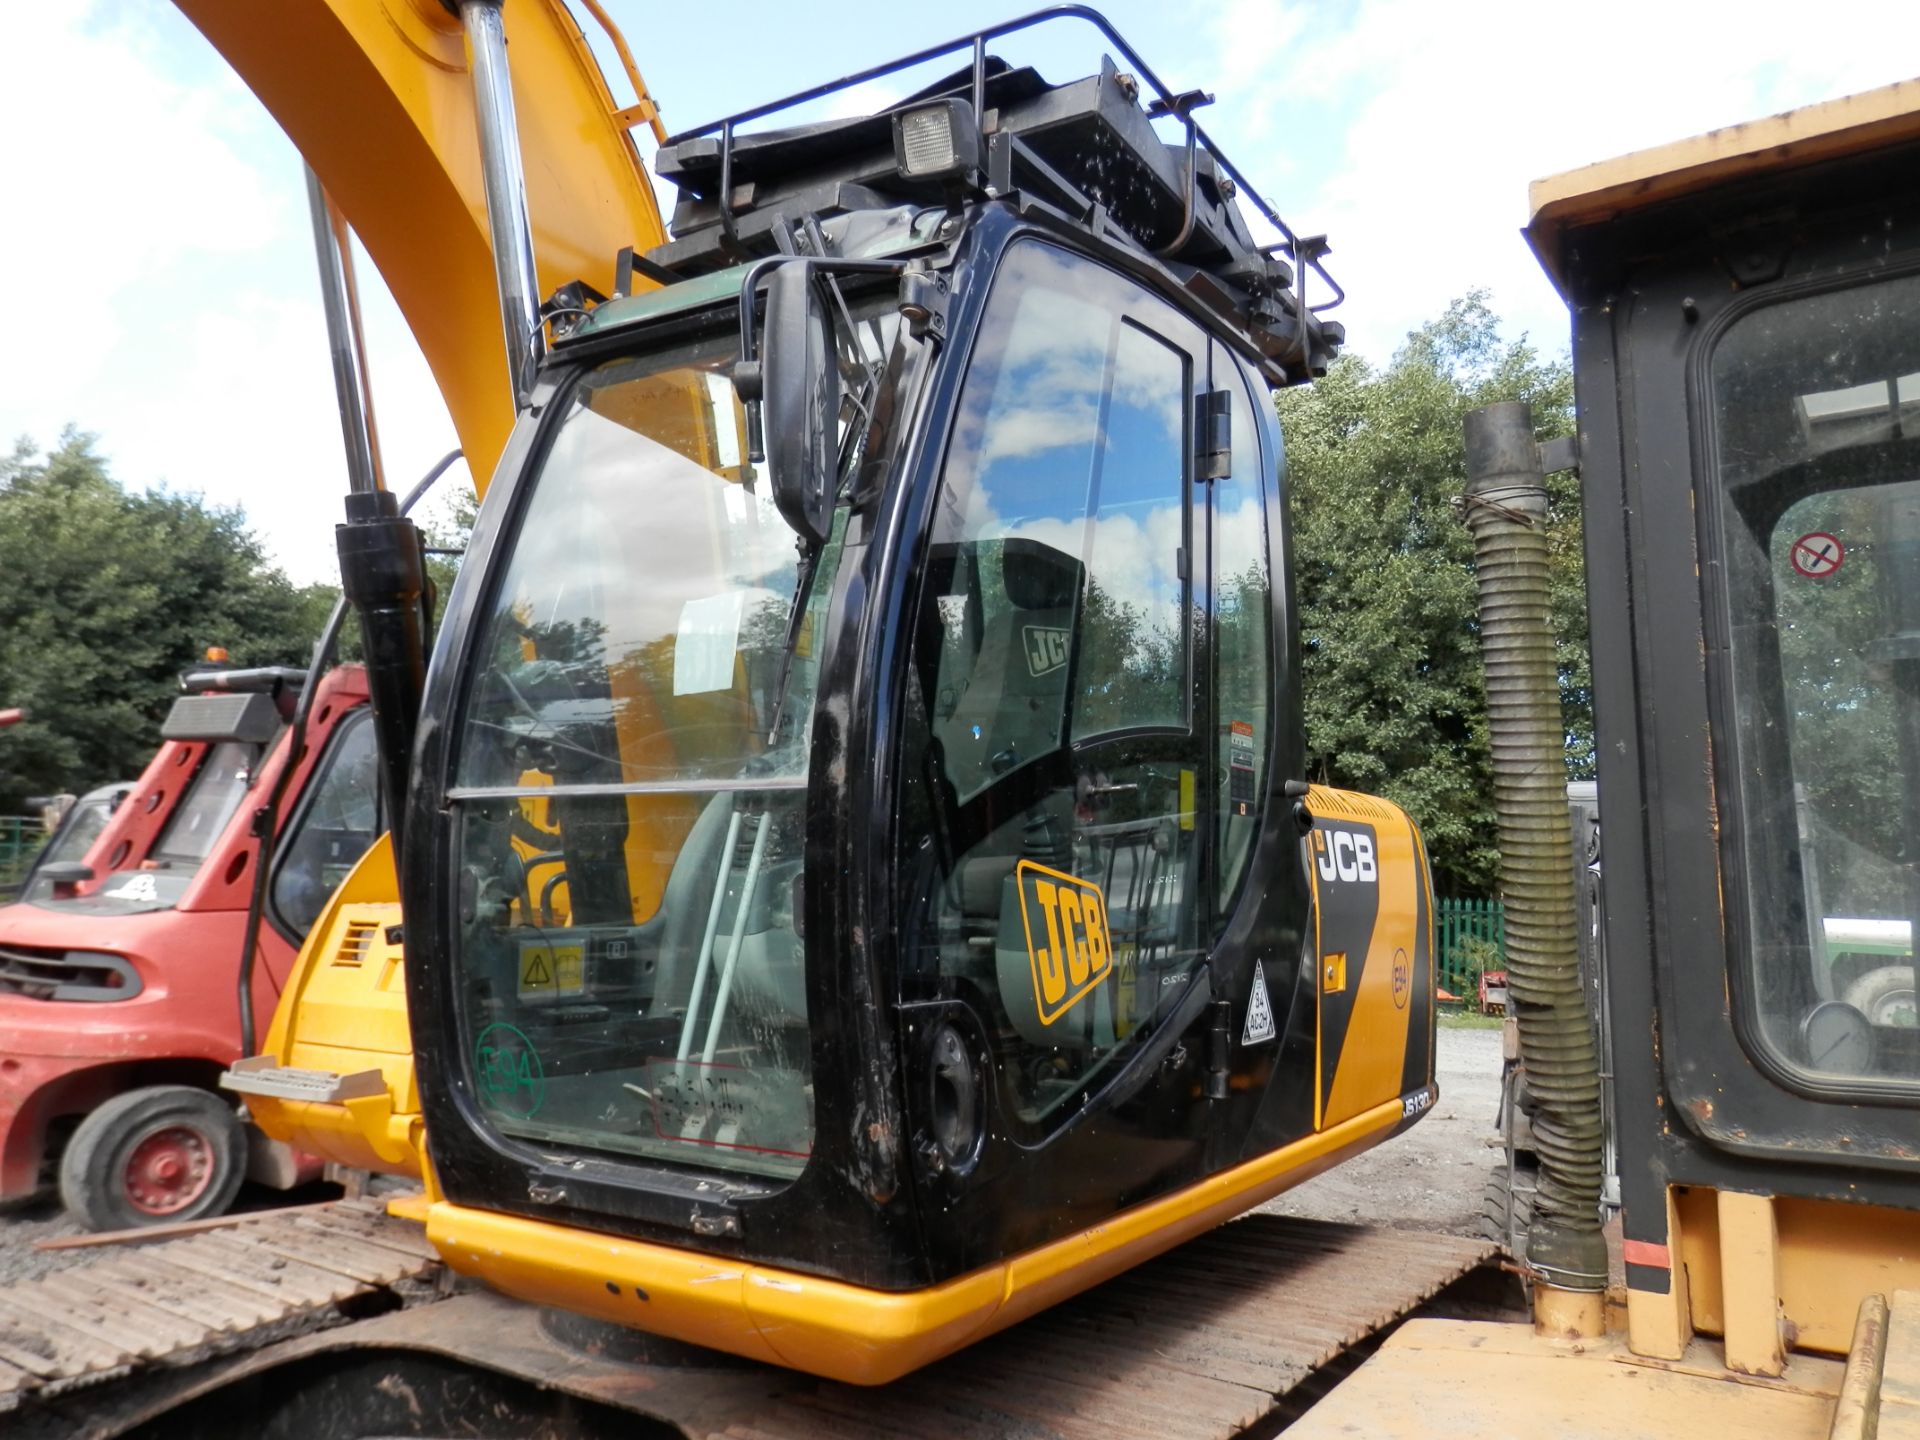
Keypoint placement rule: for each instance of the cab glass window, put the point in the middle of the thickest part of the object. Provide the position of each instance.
(1052, 866)
(1242, 649)
(1817, 408)
(631, 799)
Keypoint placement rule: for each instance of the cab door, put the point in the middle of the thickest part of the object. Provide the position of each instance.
(1260, 933)
(1057, 835)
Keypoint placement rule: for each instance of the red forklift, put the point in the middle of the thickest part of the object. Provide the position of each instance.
(120, 992)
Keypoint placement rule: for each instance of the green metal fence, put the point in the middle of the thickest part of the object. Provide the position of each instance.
(1471, 937)
(20, 839)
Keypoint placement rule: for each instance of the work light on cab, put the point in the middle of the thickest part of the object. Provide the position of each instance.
(940, 141)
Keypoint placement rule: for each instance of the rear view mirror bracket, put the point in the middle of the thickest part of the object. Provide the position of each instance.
(792, 391)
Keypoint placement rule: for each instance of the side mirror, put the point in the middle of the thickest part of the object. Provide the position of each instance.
(801, 378)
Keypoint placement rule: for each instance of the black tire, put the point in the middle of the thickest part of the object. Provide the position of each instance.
(1885, 996)
(153, 1157)
(1493, 1206)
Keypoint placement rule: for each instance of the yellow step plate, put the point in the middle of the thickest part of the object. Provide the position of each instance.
(1455, 1379)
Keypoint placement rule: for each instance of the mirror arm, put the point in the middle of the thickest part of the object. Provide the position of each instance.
(746, 371)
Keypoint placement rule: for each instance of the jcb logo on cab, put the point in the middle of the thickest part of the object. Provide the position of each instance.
(1047, 648)
(1345, 855)
(1067, 939)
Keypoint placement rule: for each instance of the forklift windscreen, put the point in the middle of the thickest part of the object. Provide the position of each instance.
(630, 835)
(1817, 423)
(212, 797)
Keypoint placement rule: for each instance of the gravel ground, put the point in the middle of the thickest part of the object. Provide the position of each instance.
(1430, 1178)
(41, 1220)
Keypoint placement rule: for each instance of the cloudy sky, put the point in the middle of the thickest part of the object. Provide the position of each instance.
(155, 232)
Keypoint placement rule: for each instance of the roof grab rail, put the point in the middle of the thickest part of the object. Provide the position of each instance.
(645, 110)
(1308, 253)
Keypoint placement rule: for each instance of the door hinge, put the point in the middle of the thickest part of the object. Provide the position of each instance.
(1213, 435)
(1219, 1048)
(923, 303)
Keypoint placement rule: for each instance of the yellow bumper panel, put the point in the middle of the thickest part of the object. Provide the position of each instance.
(846, 1332)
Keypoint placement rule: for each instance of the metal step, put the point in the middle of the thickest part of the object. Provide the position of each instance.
(1900, 1379)
(263, 1075)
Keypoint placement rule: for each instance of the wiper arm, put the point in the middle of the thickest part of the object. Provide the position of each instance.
(796, 616)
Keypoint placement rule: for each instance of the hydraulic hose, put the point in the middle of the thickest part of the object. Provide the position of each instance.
(1506, 509)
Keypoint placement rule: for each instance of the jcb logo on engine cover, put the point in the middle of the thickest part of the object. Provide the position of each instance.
(1345, 855)
(1067, 939)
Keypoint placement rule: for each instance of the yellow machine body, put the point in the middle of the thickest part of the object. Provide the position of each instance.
(377, 97)
(344, 1012)
(343, 1015)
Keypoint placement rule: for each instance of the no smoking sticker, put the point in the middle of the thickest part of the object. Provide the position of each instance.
(1817, 554)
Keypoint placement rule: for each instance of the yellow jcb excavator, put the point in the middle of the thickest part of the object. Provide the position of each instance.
(859, 891)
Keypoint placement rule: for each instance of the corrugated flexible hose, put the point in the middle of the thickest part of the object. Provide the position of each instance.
(1506, 510)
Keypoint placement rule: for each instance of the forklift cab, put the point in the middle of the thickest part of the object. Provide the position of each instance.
(1746, 340)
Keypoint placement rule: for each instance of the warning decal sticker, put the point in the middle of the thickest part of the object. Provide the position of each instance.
(1240, 767)
(1259, 1024)
(550, 969)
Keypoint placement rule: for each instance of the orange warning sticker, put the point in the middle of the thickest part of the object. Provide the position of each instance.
(1067, 939)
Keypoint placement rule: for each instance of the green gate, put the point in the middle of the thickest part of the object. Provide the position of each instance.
(20, 839)
(1470, 937)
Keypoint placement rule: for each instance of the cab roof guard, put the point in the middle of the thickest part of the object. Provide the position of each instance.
(706, 162)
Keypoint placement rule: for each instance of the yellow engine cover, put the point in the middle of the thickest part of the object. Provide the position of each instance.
(1373, 933)
(344, 1012)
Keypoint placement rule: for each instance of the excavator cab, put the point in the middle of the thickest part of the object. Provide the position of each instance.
(1744, 336)
(860, 883)
(858, 831)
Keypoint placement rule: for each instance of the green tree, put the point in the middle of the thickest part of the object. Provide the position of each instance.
(1393, 681)
(108, 595)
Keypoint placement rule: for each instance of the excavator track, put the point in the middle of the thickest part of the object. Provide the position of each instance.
(173, 1303)
(1206, 1341)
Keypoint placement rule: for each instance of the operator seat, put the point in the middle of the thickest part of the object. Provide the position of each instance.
(1013, 707)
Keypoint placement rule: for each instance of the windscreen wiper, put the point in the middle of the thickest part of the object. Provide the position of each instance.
(796, 616)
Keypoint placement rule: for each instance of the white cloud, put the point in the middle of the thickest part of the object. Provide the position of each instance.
(159, 217)
(1451, 110)
(114, 173)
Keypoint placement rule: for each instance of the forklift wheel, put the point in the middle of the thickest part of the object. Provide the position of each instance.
(151, 1157)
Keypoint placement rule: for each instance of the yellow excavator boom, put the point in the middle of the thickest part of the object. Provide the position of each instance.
(377, 97)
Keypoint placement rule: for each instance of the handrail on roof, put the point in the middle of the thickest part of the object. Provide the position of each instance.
(1306, 254)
